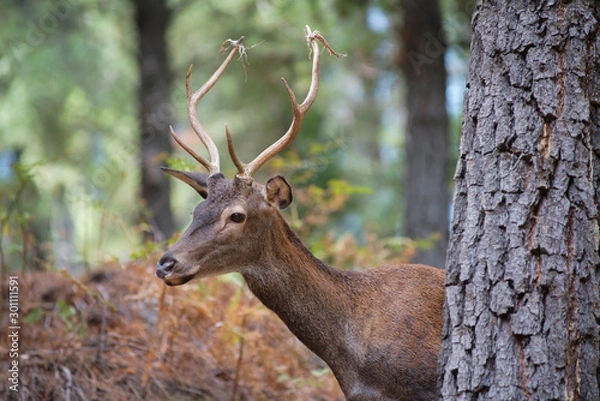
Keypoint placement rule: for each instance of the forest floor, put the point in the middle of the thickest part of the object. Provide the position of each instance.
(118, 333)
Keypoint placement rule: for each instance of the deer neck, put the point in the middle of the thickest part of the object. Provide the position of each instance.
(310, 297)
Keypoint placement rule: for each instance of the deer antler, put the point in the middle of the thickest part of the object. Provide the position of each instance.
(213, 166)
(245, 171)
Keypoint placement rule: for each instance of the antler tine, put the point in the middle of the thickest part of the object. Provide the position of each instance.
(234, 158)
(247, 170)
(190, 151)
(213, 165)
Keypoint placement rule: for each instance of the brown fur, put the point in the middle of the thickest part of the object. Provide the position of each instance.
(379, 330)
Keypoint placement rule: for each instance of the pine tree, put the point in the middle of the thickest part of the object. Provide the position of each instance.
(522, 317)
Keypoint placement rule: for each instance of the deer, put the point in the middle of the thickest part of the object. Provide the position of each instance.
(378, 330)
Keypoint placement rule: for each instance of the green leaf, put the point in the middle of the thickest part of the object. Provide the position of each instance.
(342, 187)
(320, 372)
(34, 316)
(283, 378)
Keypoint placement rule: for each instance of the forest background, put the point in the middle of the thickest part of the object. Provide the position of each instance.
(71, 156)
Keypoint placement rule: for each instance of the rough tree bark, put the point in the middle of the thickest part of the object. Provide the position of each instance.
(426, 168)
(522, 313)
(152, 18)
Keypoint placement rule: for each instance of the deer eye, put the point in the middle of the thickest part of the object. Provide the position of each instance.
(238, 217)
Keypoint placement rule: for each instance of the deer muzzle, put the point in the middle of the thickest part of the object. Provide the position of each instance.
(166, 270)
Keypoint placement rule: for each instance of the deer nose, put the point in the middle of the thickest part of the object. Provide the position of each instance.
(165, 266)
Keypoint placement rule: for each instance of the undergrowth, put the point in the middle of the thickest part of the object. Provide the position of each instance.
(121, 334)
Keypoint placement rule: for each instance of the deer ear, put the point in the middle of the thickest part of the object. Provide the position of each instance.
(278, 192)
(198, 181)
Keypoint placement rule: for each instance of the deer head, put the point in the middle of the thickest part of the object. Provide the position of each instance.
(236, 212)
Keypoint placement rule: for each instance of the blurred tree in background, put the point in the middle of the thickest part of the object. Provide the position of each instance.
(155, 111)
(426, 183)
(70, 83)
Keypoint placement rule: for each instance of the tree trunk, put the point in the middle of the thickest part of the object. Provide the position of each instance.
(426, 168)
(156, 112)
(522, 313)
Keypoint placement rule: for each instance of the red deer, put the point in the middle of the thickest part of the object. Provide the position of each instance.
(378, 330)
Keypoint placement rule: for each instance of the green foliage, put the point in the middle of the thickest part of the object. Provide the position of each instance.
(34, 316)
(297, 383)
(182, 163)
(63, 62)
(313, 216)
(69, 100)
(148, 249)
(73, 321)
(23, 223)
(428, 242)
